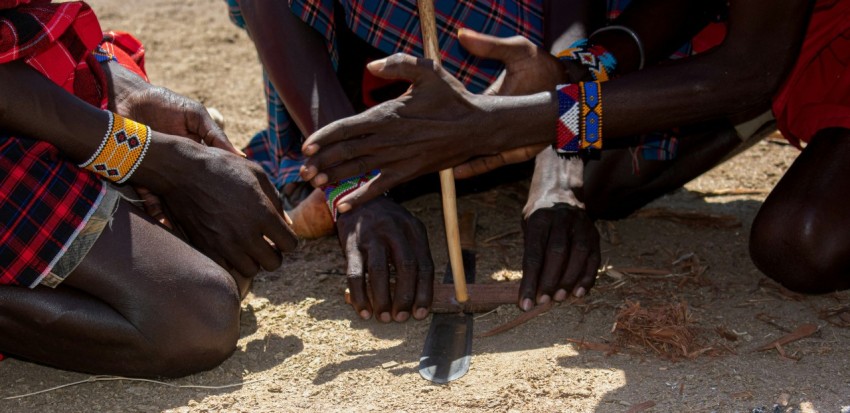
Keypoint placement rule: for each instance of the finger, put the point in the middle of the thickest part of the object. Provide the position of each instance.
(536, 237)
(243, 264)
(402, 66)
(576, 266)
(406, 275)
(339, 161)
(368, 191)
(554, 263)
(357, 281)
(379, 282)
(588, 279)
(280, 234)
(341, 130)
(424, 270)
(505, 49)
(213, 136)
(267, 256)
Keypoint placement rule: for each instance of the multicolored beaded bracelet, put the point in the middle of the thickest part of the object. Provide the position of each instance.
(579, 119)
(123, 147)
(601, 63)
(335, 192)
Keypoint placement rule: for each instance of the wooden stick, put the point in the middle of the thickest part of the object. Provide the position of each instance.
(428, 23)
(483, 298)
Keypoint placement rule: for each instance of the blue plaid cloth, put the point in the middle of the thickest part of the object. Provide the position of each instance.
(391, 26)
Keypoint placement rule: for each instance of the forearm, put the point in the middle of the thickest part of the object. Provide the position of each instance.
(297, 62)
(33, 106)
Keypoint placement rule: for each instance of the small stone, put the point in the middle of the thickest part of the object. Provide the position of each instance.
(275, 389)
(389, 365)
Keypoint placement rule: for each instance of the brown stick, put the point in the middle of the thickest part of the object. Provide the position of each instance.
(803, 331)
(482, 298)
(428, 23)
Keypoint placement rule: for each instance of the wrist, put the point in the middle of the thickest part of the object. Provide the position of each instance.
(167, 160)
(519, 121)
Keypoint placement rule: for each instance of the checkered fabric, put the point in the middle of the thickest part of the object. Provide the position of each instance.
(45, 200)
(391, 26)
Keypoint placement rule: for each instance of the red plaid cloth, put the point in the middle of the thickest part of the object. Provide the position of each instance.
(45, 200)
(392, 26)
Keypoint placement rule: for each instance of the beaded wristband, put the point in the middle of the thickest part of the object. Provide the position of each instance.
(122, 150)
(579, 119)
(596, 58)
(335, 192)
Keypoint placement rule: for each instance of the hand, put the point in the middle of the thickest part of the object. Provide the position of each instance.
(435, 125)
(528, 69)
(561, 255)
(164, 111)
(224, 203)
(372, 237)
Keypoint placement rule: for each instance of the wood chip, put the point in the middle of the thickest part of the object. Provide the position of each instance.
(590, 345)
(803, 331)
(636, 408)
(691, 218)
(725, 333)
(521, 319)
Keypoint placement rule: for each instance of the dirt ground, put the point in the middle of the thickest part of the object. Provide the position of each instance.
(303, 349)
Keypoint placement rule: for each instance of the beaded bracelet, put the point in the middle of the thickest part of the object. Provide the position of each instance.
(122, 149)
(335, 192)
(579, 119)
(601, 63)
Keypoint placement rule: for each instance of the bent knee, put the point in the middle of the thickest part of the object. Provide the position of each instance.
(198, 333)
(801, 249)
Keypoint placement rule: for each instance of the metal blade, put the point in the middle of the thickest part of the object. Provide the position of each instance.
(448, 346)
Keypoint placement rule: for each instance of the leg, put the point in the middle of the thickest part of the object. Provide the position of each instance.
(613, 191)
(142, 303)
(799, 237)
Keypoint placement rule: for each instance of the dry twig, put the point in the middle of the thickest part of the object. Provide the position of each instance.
(93, 379)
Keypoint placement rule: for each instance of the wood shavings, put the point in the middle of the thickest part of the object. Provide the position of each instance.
(666, 329)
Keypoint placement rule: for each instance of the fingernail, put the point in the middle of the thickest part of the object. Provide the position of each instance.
(420, 313)
(244, 155)
(343, 208)
(402, 316)
(287, 219)
(307, 172)
(365, 314)
(376, 65)
(310, 149)
(320, 179)
(527, 304)
(543, 299)
(461, 31)
(561, 295)
(386, 317)
(579, 292)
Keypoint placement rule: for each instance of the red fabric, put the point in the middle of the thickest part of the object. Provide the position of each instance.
(44, 198)
(816, 95)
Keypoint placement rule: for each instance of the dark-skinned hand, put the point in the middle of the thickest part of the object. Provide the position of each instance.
(374, 237)
(435, 125)
(224, 203)
(561, 255)
(166, 112)
(528, 69)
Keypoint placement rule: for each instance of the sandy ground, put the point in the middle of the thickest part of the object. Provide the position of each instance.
(302, 349)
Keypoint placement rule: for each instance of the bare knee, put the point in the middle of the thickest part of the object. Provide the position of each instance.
(198, 331)
(801, 248)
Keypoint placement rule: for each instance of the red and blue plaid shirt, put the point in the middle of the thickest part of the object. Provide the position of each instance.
(391, 26)
(45, 200)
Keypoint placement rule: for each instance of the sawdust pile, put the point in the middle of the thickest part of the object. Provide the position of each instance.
(668, 330)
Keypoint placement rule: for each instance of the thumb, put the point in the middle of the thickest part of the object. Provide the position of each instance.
(506, 49)
(402, 66)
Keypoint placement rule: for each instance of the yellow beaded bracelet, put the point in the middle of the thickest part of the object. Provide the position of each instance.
(122, 150)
